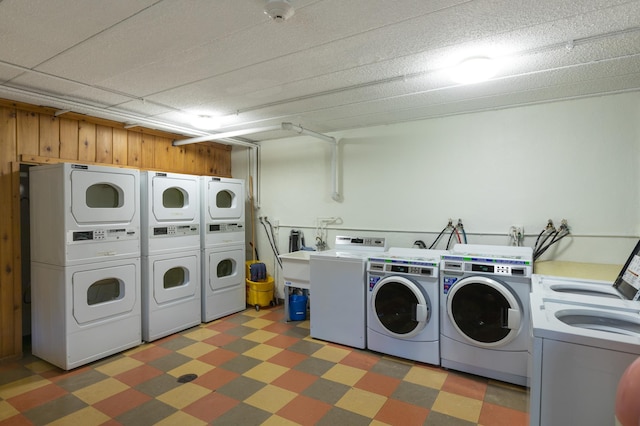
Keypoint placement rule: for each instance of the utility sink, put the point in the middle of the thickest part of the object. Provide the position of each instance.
(295, 268)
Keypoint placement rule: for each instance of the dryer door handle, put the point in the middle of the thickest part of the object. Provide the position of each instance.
(421, 313)
(512, 317)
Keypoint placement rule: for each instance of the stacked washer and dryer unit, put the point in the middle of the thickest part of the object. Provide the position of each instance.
(223, 246)
(171, 269)
(85, 262)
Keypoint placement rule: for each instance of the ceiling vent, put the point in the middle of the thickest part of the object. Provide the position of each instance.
(279, 10)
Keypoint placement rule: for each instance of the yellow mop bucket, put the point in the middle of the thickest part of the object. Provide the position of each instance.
(259, 293)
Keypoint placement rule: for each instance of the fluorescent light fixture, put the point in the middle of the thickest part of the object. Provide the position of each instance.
(474, 70)
(205, 122)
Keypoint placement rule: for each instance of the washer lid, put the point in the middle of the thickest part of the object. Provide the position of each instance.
(611, 328)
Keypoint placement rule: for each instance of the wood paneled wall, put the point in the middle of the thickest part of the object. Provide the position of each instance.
(34, 135)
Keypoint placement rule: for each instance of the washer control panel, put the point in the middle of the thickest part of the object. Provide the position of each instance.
(175, 230)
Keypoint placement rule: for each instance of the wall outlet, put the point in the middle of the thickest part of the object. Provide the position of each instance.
(275, 223)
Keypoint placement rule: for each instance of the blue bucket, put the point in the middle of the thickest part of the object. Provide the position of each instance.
(297, 307)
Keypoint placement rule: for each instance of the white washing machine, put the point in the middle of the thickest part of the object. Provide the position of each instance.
(403, 306)
(170, 218)
(484, 311)
(223, 283)
(579, 355)
(624, 291)
(337, 285)
(82, 214)
(85, 312)
(171, 268)
(171, 293)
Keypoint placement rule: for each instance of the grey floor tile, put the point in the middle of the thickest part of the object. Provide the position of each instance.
(76, 381)
(147, 414)
(240, 345)
(305, 347)
(392, 368)
(438, 419)
(158, 385)
(315, 366)
(507, 396)
(241, 388)
(242, 414)
(54, 410)
(169, 362)
(240, 364)
(415, 394)
(338, 416)
(326, 390)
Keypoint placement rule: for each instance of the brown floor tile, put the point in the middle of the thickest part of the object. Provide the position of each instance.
(304, 410)
(36, 397)
(211, 407)
(216, 378)
(152, 353)
(377, 383)
(496, 415)
(287, 358)
(465, 385)
(295, 381)
(138, 375)
(401, 413)
(122, 402)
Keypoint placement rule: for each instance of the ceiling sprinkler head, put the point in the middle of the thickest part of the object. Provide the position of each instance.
(279, 10)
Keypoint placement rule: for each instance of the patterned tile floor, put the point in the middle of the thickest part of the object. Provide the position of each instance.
(252, 368)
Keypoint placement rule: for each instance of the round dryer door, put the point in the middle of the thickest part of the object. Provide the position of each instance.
(484, 311)
(400, 306)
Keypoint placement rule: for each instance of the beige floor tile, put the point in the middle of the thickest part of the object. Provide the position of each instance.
(344, 374)
(458, 406)
(266, 372)
(276, 420)
(196, 350)
(262, 352)
(331, 353)
(271, 398)
(6, 410)
(201, 333)
(183, 395)
(180, 418)
(258, 323)
(88, 416)
(21, 386)
(191, 367)
(260, 336)
(361, 402)
(118, 366)
(425, 377)
(100, 390)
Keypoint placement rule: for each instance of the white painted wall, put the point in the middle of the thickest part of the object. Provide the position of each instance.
(576, 160)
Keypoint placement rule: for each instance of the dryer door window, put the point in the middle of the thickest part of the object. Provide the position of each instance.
(224, 200)
(484, 311)
(175, 199)
(400, 306)
(98, 197)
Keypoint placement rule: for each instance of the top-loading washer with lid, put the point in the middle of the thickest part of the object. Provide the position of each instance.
(484, 311)
(403, 316)
(337, 290)
(579, 355)
(624, 291)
